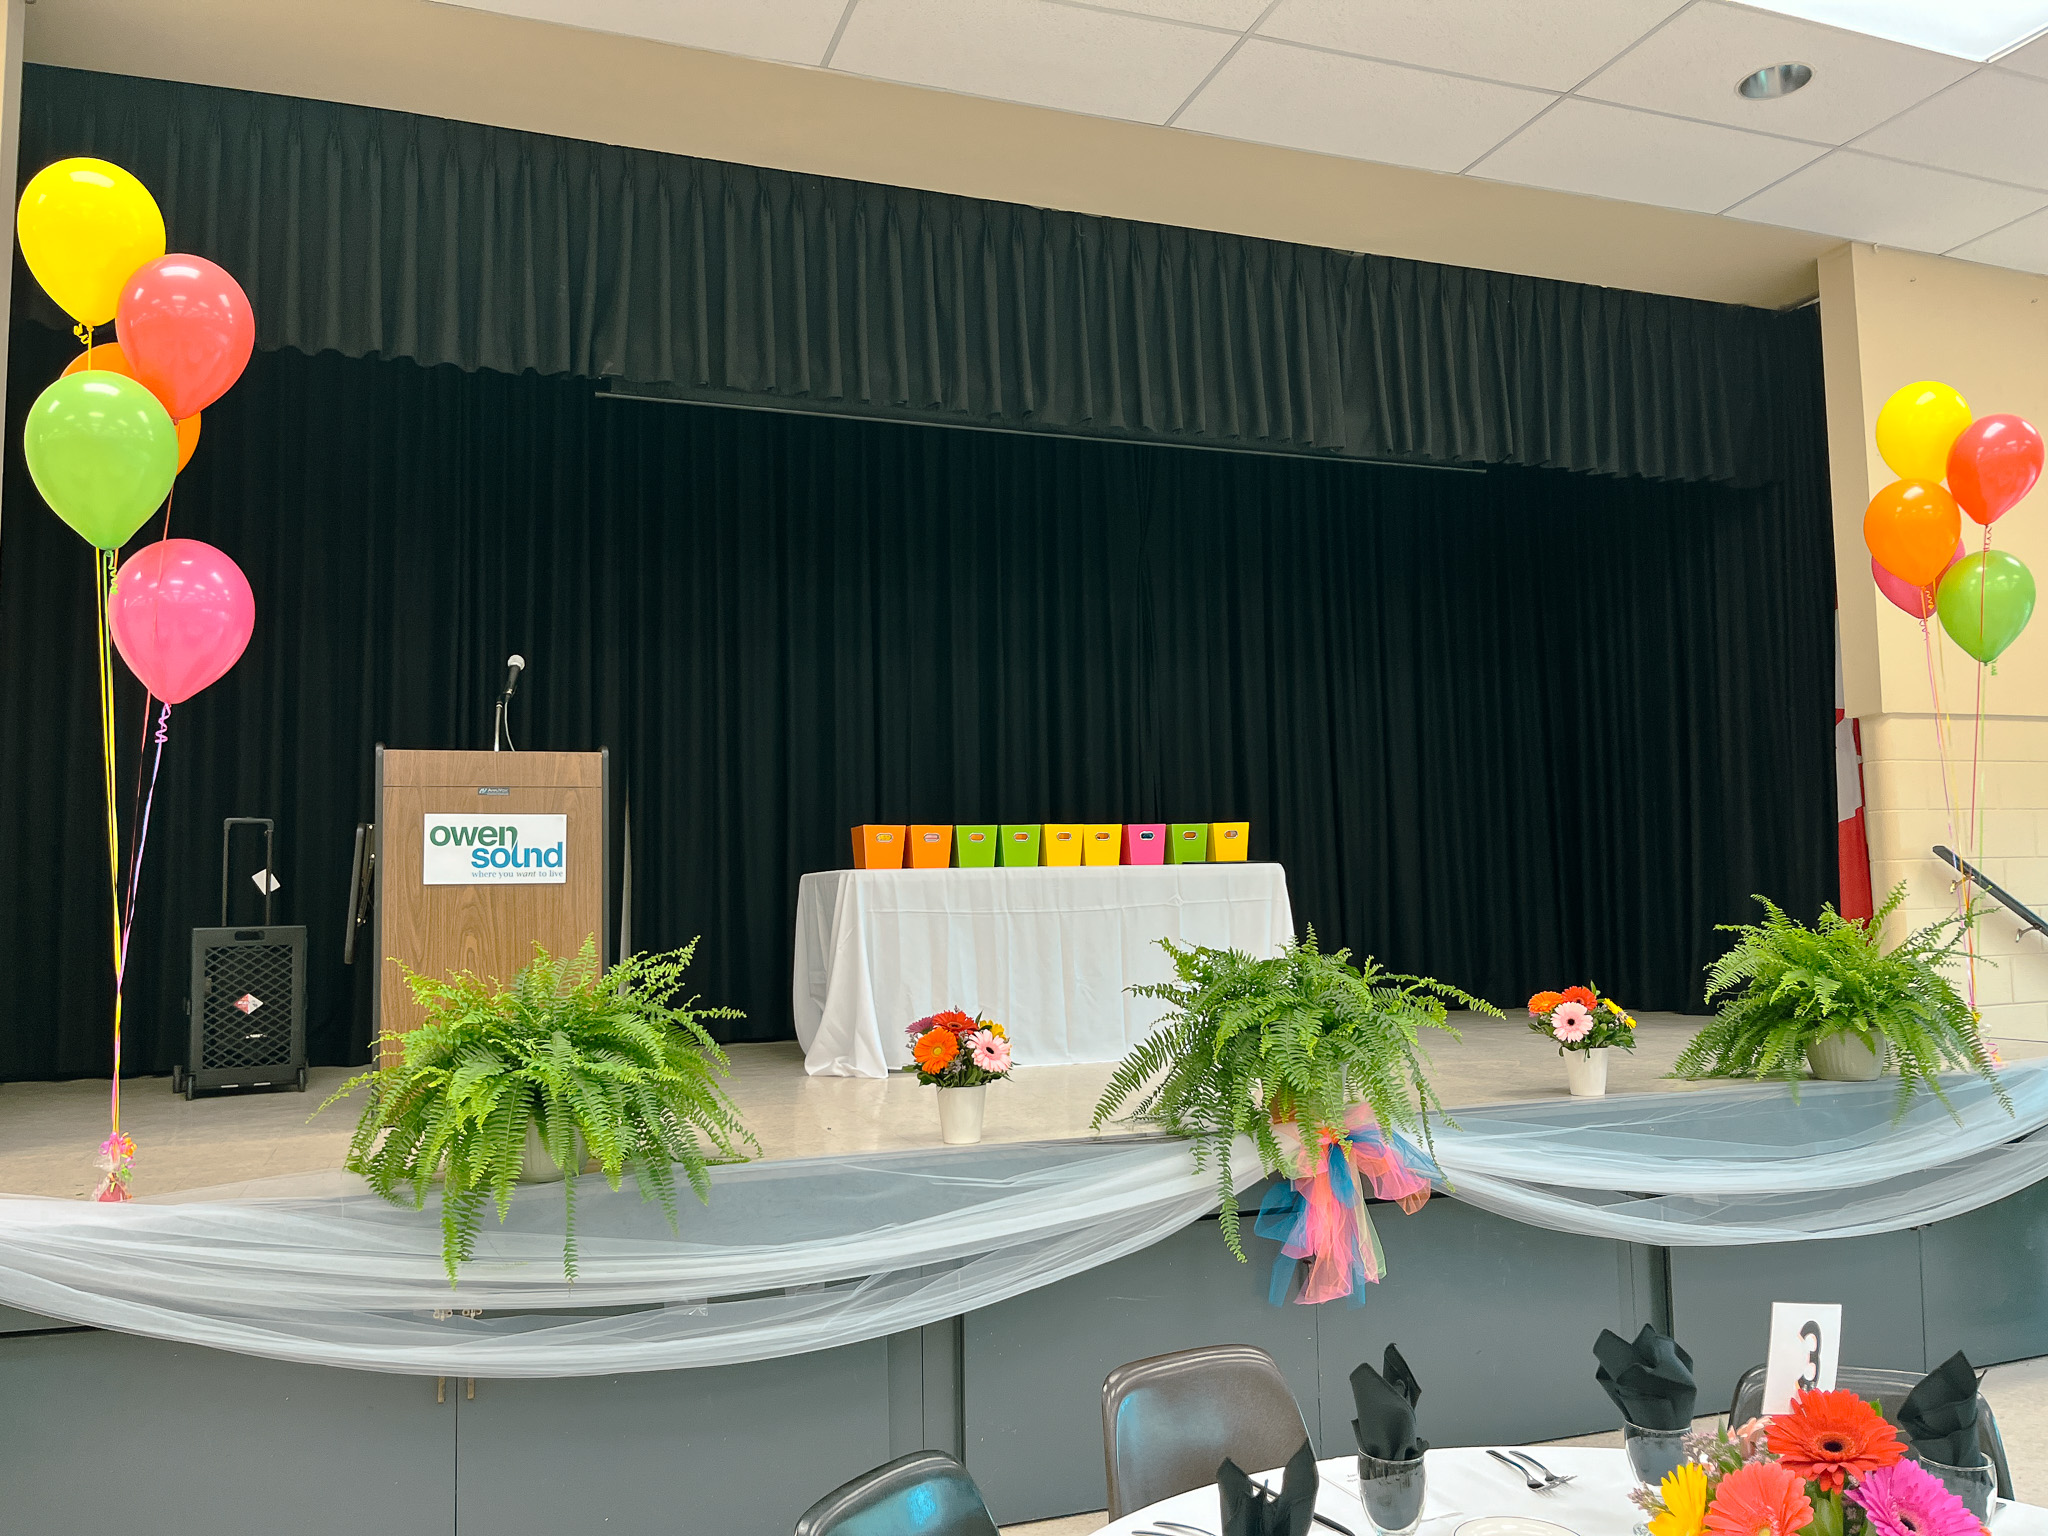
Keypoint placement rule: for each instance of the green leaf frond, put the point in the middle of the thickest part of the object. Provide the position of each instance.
(1784, 985)
(604, 1061)
(1301, 1036)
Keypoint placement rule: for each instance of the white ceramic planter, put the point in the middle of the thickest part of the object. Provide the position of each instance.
(535, 1166)
(1585, 1072)
(1848, 1058)
(960, 1114)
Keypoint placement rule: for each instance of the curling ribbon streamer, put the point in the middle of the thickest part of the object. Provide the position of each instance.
(117, 1151)
(1322, 1217)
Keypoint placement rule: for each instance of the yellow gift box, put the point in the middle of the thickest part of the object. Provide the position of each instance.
(1063, 844)
(1103, 843)
(1229, 841)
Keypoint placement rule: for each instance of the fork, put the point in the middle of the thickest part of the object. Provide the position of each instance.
(1550, 1478)
(1520, 1471)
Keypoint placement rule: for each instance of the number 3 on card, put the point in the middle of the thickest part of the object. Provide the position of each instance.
(1805, 1346)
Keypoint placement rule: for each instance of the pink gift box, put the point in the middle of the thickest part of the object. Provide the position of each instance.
(1145, 843)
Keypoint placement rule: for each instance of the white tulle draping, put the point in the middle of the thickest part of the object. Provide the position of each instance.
(802, 1255)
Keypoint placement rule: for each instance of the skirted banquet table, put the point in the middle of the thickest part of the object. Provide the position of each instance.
(1050, 953)
(1467, 1485)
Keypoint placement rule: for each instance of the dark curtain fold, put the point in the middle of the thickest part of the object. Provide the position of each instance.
(389, 235)
(1511, 728)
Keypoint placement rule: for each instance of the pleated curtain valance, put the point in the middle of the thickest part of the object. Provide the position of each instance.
(385, 234)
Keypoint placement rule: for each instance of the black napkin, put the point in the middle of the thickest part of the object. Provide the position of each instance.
(1939, 1417)
(1385, 1425)
(1649, 1380)
(1249, 1510)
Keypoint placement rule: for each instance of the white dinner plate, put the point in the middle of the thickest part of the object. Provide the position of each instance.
(1512, 1525)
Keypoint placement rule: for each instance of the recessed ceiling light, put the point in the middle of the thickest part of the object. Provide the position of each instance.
(1971, 29)
(1778, 80)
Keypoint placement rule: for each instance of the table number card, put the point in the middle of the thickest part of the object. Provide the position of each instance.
(1806, 1339)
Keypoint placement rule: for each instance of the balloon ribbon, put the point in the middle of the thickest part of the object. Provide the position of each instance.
(1322, 1217)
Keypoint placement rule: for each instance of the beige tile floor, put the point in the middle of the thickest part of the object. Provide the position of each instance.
(50, 1132)
(2018, 1394)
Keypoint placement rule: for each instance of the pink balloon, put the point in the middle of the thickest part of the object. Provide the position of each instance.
(186, 328)
(1907, 598)
(181, 613)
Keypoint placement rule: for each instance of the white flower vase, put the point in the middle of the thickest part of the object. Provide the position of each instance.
(960, 1115)
(1848, 1058)
(1585, 1072)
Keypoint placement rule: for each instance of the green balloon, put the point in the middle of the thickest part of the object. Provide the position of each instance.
(1985, 601)
(103, 451)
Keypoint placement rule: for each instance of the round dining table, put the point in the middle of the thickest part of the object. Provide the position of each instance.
(1467, 1484)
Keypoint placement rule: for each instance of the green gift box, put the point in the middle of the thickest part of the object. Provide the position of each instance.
(1020, 847)
(974, 847)
(1187, 842)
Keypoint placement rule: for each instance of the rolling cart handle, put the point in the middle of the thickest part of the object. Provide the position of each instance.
(269, 829)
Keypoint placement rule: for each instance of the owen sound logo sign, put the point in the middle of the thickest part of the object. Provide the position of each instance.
(495, 850)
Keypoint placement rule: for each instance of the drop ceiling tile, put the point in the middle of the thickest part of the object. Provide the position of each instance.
(789, 31)
(1992, 124)
(1639, 157)
(1236, 15)
(1861, 197)
(1691, 67)
(1545, 43)
(1274, 93)
(1070, 57)
(2029, 59)
(2023, 245)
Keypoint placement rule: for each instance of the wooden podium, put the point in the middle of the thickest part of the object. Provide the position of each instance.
(480, 855)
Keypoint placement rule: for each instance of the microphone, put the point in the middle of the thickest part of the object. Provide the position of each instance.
(514, 665)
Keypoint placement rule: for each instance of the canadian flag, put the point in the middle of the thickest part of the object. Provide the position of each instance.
(1852, 838)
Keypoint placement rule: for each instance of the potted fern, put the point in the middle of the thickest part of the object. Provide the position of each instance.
(501, 1085)
(1832, 997)
(1311, 1057)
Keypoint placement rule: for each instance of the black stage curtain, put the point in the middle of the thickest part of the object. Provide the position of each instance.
(1511, 728)
(389, 235)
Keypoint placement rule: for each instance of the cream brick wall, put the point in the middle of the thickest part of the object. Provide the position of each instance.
(1902, 788)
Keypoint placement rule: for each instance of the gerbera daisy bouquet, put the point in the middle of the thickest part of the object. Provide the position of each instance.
(1580, 1019)
(1832, 1466)
(958, 1050)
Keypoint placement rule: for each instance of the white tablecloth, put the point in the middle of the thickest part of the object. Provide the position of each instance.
(1048, 952)
(1467, 1484)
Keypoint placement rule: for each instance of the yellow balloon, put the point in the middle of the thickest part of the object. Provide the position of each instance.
(85, 227)
(1918, 426)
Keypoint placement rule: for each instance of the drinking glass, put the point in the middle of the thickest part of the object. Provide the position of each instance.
(1391, 1492)
(1973, 1485)
(1653, 1454)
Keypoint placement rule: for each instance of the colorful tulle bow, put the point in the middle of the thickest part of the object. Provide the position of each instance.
(1322, 1217)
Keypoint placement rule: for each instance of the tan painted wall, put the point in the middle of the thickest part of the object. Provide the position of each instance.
(1888, 318)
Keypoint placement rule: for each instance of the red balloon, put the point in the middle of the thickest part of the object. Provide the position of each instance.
(181, 613)
(1992, 465)
(187, 330)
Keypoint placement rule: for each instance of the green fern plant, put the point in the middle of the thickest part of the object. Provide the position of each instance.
(1299, 1037)
(607, 1057)
(1787, 985)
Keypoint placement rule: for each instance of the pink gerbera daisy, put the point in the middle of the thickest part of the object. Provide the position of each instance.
(991, 1052)
(1905, 1499)
(1571, 1023)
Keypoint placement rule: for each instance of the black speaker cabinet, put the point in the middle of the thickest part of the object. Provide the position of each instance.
(248, 1001)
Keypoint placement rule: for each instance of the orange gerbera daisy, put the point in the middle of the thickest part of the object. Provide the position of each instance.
(1761, 1499)
(935, 1050)
(1831, 1436)
(1543, 1002)
(1583, 996)
(953, 1019)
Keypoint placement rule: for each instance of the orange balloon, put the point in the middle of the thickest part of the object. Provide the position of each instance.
(1911, 527)
(108, 357)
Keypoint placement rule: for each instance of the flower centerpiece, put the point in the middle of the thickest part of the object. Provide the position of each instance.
(1831, 1465)
(1585, 1026)
(959, 1054)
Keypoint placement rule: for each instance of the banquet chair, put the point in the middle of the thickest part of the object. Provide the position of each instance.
(1888, 1389)
(1168, 1422)
(925, 1493)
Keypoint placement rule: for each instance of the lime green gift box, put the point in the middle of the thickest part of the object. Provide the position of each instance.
(1187, 842)
(1020, 847)
(974, 847)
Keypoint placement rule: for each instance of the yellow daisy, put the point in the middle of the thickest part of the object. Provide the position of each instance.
(1611, 1005)
(1684, 1493)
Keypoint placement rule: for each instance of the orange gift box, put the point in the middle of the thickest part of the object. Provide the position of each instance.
(877, 847)
(931, 847)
